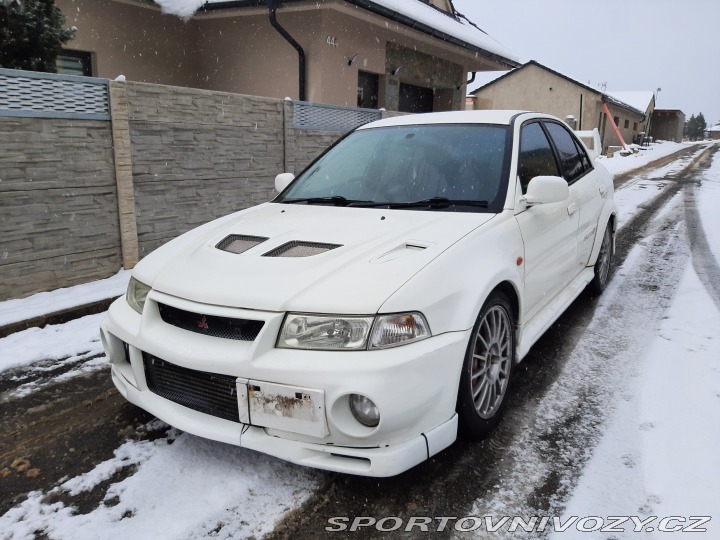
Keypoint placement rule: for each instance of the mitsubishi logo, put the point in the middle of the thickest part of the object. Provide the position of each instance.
(202, 323)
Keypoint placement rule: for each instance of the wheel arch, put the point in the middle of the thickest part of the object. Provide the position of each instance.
(609, 219)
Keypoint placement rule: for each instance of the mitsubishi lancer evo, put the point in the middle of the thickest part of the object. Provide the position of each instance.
(375, 309)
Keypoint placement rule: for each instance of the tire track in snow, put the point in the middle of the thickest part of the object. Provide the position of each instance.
(704, 262)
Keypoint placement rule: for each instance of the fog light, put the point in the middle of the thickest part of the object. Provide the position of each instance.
(364, 410)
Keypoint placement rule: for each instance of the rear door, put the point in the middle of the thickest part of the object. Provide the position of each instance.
(584, 183)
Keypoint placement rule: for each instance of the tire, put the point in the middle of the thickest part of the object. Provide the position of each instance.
(603, 263)
(487, 370)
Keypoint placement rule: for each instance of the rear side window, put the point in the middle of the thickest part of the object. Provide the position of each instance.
(568, 152)
(536, 156)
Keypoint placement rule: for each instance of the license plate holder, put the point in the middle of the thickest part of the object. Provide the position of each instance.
(287, 408)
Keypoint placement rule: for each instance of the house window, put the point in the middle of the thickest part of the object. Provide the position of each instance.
(71, 62)
(368, 84)
(616, 119)
(627, 124)
(634, 126)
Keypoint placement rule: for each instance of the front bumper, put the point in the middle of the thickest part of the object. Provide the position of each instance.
(414, 387)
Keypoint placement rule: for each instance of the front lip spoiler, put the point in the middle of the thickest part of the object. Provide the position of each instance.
(381, 461)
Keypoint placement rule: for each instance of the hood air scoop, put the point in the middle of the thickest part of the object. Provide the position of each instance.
(239, 243)
(300, 249)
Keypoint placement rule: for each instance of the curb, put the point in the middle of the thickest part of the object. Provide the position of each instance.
(57, 317)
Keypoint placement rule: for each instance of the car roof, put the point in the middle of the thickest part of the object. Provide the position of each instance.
(451, 117)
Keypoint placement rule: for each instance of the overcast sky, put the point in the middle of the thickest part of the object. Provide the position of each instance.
(628, 44)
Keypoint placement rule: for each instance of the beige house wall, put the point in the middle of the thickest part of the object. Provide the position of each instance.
(138, 42)
(238, 50)
(533, 88)
(607, 134)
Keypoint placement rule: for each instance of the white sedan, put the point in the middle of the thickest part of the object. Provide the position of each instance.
(376, 308)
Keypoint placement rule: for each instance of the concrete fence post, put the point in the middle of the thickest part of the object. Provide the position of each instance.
(123, 173)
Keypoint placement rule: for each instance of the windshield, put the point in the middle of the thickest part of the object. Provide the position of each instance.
(455, 167)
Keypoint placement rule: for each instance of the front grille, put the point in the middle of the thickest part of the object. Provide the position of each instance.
(200, 391)
(211, 325)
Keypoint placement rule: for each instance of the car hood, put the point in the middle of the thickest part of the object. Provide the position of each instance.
(379, 251)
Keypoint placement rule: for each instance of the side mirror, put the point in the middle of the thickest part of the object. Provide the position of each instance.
(547, 190)
(283, 180)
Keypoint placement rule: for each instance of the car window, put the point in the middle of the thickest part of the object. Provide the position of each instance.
(583, 155)
(570, 158)
(404, 164)
(536, 156)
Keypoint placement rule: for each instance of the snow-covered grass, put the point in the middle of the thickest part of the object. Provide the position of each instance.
(22, 309)
(180, 487)
(708, 205)
(619, 164)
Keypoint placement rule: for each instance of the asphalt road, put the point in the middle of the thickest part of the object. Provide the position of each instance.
(64, 429)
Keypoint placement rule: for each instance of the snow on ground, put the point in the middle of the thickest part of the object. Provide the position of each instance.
(659, 455)
(22, 309)
(642, 189)
(619, 164)
(39, 357)
(180, 487)
(54, 342)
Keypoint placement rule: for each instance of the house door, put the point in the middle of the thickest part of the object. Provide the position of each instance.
(368, 84)
(415, 99)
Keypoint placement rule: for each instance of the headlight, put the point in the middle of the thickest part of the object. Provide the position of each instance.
(324, 332)
(327, 332)
(398, 329)
(137, 294)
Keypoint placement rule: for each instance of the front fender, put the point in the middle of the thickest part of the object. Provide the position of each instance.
(608, 215)
(451, 290)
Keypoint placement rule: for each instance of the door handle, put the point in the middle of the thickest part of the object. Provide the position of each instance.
(571, 209)
(603, 191)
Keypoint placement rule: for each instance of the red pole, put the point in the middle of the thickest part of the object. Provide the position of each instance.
(612, 123)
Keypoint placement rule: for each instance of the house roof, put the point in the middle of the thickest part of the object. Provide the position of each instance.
(637, 100)
(713, 128)
(450, 27)
(605, 96)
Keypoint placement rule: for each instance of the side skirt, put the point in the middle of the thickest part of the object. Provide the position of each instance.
(530, 332)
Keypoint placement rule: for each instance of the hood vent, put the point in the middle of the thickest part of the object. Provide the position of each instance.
(300, 249)
(239, 243)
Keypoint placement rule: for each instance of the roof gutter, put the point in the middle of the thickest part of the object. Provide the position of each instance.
(272, 13)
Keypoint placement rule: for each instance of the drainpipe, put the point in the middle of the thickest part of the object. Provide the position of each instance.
(472, 79)
(272, 10)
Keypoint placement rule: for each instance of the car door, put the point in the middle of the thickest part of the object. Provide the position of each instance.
(549, 231)
(585, 186)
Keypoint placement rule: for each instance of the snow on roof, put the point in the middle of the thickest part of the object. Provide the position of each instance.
(416, 10)
(182, 8)
(714, 128)
(459, 28)
(637, 100)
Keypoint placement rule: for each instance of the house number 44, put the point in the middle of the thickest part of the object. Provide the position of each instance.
(332, 41)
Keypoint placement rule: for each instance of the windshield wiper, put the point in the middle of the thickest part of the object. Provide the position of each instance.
(432, 202)
(337, 200)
